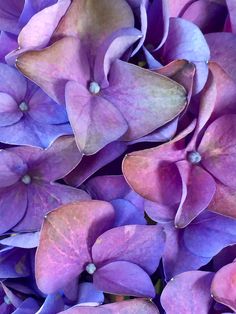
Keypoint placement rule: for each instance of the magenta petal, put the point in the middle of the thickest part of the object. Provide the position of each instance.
(218, 157)
(92, 118)
(198, 189)
(146, 99)
(142, 245)
(223, 286)
(38, 31)
(223, 51)
(66, 236)
(188, 292)
(124, 278)
(13, 204)
(90, 164)
(140, 306)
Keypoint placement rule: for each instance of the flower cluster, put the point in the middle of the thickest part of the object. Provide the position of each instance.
(117, 156)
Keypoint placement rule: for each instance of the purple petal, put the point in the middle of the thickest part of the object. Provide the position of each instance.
(177, 258)
(65, 241)
(185, 41)
(226, 91)
(22, 240)
(198, 189)
(14, 263)
(8, 42)
(223, 286)
(140, 306)
(32, 133)
(218, 157)
(158, 24)
(38, 31)
(13, 205)
(92, 118)
(44, 197)
(209, 234)
(44, 110)
(127, 214)
(108, 188)
(89, 293)
(188, 293)
(27, 306)
(232, 11)
(9, 13)
(209, 16)
(142, 245)
(56, 161)
(12, 83)
(113, 48)
(139, 101)
(52, 304)
(91, 164)
(9, 111)
(124, 278)
(223, 49)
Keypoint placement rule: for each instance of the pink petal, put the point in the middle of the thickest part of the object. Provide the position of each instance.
(37, 33)
(65, 242)
(223, 286)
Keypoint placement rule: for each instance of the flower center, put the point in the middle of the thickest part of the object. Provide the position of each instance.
(7, 300)
(194, 157)
(23, 106)
(94, 88)
(26, 179)
(91, 268)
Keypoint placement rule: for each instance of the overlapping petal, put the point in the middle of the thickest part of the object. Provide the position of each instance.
(64, 242)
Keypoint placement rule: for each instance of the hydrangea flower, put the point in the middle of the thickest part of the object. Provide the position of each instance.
(96, 79)
(27, 185)
(85, 233)
(28, 116)
(196, 165)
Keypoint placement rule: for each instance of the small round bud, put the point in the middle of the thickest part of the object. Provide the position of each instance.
(26, 179)
(94, 88)
(194, 157)
(91, 268)
(23, 106)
